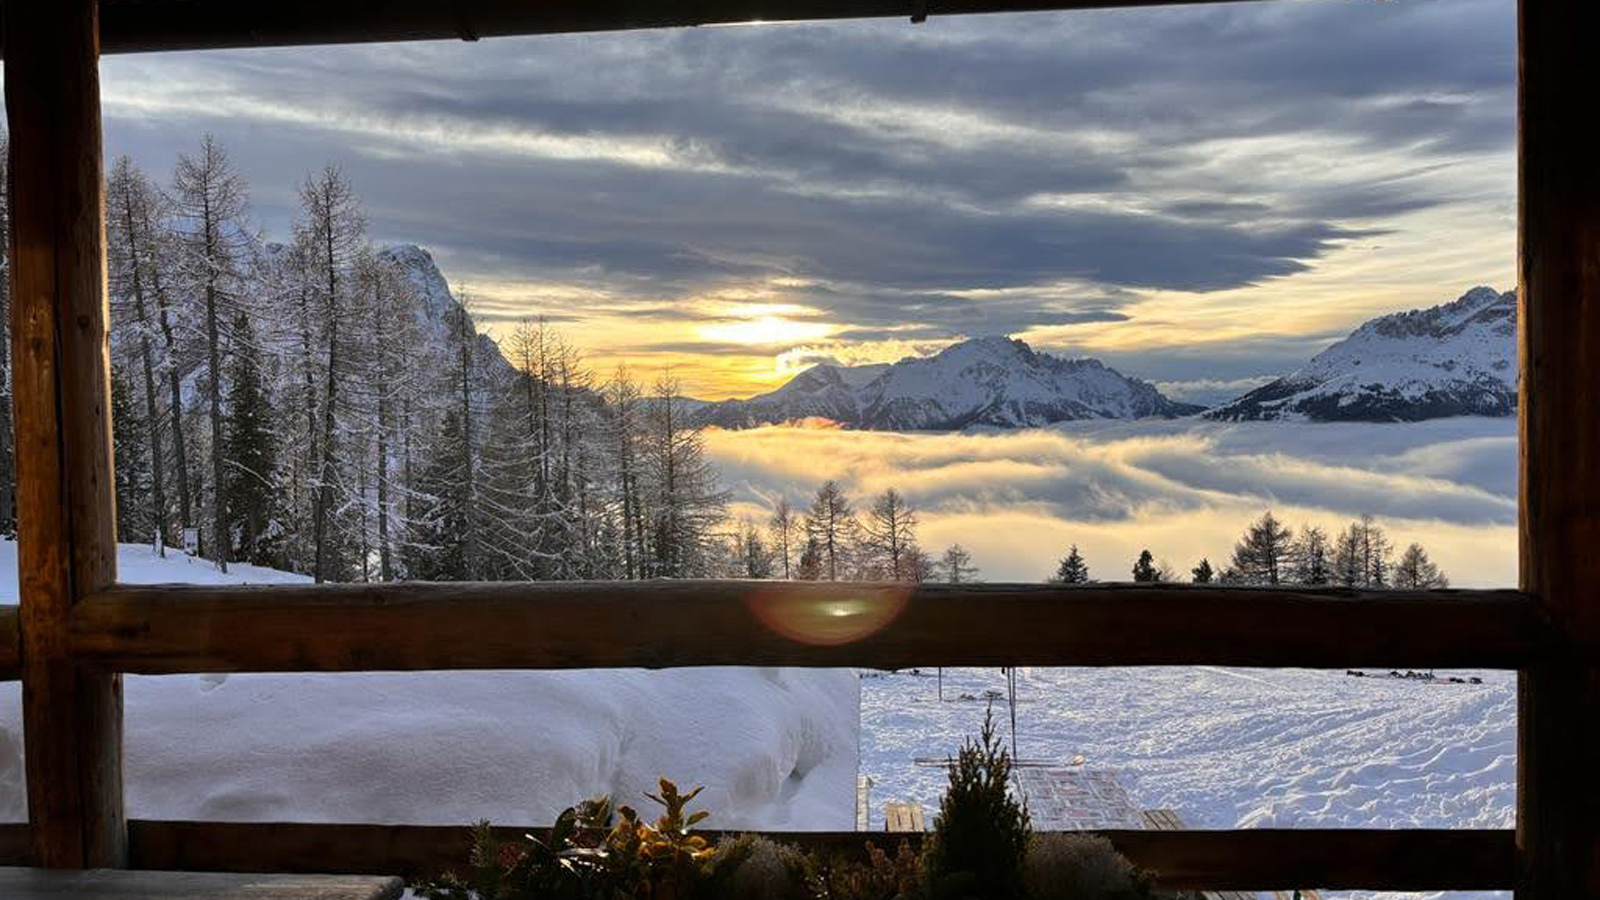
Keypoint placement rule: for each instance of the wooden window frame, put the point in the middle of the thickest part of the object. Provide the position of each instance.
(76, 630)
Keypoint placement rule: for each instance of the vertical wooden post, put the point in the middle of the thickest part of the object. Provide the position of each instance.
(72, 717)
(1558, 815)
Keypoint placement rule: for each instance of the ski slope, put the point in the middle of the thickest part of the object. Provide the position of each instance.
(1225, 748)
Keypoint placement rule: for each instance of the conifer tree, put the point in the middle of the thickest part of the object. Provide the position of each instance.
(130, 461)
(783, 526)
(1144, 569)
(1072, 570)
(831, 526)
(686, 501)
(252, 487)
(1262, 555)
(331, 234)
(981, 834)
(1416, 572)
(1363, 555)
(1310, 558)
(957, 565)
(131, 252)
(755, 558)
(210, 203)
(890, 537)
(435, 550)
(811, 565)
(1202, 572)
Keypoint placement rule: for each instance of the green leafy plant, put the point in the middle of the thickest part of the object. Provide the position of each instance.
(980, 837)
(591, 853)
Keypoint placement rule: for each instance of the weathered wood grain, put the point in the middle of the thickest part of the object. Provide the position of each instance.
(118, 884)
(10, 643)
(66, 511)
(1559, 313)
(1255, 859)
(171, 628)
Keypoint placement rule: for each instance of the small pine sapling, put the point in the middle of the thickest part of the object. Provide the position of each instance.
(980, 837)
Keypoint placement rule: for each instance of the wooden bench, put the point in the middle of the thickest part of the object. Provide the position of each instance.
(123, 884)
(902, 816)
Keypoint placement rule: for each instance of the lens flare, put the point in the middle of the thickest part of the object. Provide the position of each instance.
(828, 614)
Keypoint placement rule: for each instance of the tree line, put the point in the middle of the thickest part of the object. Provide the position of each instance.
(310, 406)
(830, 540)
(1270, 553)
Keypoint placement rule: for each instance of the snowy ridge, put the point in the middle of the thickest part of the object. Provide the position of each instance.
(993, 381)
(1455, 359)
(439, 304)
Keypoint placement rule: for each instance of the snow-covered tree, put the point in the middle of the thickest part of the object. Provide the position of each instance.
(685, 500)
(209, 204)
(133, 245)
(330, 235)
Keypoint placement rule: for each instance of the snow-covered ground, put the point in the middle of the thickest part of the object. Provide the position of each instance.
(778, 748)
(775, 748)
(1225, 748)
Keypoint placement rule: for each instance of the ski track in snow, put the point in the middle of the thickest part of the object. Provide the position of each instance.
(1226, 748)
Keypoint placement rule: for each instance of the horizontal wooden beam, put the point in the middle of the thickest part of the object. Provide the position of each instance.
(1254, 859)
(395, 627)
(10, 643)
(148, 25)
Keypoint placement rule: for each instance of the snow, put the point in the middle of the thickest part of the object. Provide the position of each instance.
(993, 381)
(776, 748)
(1455, 358)
(1225, 748)
(779, 748)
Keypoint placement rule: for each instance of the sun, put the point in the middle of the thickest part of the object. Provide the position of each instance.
(765, 330)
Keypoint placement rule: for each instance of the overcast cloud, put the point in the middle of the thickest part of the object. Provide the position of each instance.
(1041, 174)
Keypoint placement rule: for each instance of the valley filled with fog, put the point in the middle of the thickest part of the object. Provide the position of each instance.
(1183, 488)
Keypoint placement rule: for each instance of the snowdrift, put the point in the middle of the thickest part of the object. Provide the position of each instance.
(775, 748)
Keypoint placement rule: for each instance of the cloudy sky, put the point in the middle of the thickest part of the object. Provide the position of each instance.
(1201, 196)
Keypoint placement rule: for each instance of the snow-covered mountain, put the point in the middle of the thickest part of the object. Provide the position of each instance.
(1455, 359)
(439, 305)
(992, 381)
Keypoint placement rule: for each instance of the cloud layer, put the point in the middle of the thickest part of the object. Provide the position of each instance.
(1181, 489)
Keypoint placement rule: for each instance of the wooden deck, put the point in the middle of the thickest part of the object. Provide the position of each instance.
(115, 884)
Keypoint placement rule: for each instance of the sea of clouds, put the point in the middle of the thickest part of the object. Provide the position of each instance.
(1183, 488)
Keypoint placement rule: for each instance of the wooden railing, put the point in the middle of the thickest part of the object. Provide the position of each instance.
(164, 629)
(77, 631)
